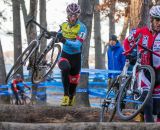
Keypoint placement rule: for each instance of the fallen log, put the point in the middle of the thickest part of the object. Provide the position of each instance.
(79, 126)
(47, 114)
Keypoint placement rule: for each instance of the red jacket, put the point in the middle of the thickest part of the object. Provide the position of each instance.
(146, 40)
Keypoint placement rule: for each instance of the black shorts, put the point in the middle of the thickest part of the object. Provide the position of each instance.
(75, 62)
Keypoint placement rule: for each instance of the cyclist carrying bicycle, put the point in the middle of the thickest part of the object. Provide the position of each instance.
(72, 35)
(17, 87)
(151, 39)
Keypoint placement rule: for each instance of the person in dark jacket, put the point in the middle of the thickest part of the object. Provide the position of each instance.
(116, 59)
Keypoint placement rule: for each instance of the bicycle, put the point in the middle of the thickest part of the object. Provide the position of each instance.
(23, 99)
(51, 53)
(131, 93)
(108, 108)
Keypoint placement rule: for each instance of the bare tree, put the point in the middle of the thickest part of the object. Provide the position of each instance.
(87, 8)
(30, 31)
(17, 32)
(111, 18)
(3, 98)
(99, 62)
(43, 22)
(144, 15)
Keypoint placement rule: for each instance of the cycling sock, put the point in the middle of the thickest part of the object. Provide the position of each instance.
(72, 89)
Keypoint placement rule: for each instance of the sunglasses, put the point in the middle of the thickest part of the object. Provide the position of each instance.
(157, 19)
(72, 16)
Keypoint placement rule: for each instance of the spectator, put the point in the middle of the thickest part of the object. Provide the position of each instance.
(116, 59)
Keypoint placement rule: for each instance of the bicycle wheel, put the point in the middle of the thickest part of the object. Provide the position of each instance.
(46, 63)
(108, 108)
(133, 100)
(27, 100)
(12, 99)
(22, 60)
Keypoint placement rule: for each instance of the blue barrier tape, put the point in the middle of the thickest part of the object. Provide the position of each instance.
(98, 74)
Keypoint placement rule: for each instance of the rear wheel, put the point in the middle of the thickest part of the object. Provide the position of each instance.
(27, 100)
(46, 63)
(133, 100)
(23, 59)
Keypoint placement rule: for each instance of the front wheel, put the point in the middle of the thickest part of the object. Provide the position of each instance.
(132, 92)
(46, 63)
(23, 59)
(108, 108)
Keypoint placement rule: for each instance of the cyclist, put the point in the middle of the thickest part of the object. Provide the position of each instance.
(72, 35)
(151, 39)
(17, 87)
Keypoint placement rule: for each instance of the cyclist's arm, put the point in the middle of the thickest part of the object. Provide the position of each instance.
(15, 86)
(130, 39)
(26, 86)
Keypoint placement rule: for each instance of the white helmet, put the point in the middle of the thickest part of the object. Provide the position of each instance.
(73, 8)
(155, 11)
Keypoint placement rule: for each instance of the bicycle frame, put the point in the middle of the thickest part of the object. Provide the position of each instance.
(38, 40)
(138, 61)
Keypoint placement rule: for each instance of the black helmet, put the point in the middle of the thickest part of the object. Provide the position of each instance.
(113, 37)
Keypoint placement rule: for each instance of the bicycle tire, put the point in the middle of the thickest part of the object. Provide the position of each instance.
(27, 100)
(124, 91)
(37, 76)
(105, 106)
(13, 100)
(29, 51)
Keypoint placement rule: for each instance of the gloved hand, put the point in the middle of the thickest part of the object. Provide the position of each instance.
(49, 34)
(61, 38)
(53, 33)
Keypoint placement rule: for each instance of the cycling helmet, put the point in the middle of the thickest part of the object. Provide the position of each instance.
(73, 9)
(18, 76)
(155, 11)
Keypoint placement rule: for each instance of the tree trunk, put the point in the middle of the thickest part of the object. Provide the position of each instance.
(87, 8)
(32, 33)
(144, 15)
(3, 98)
(125, 26)
(135, 13)
(43, 22)
(111, 18)
(17, 32)
(99, 63)
(25, 16)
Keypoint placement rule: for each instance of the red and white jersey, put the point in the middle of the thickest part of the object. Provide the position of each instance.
(156, 48)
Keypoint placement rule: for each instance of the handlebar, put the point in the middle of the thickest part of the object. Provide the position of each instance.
(134, 45)
(31, 19)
